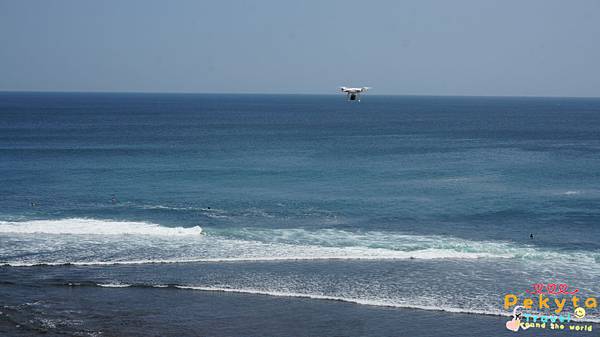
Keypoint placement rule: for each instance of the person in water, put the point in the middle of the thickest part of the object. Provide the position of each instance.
(531, 235)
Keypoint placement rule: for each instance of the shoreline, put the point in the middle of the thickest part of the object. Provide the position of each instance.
(171, 311)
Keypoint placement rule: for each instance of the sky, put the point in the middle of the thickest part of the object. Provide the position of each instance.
(420, 47)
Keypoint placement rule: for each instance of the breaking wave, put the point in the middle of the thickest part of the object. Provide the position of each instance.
(79, 226)
(77, 241)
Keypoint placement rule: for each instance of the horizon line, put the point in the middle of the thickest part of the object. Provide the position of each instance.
(274, 93)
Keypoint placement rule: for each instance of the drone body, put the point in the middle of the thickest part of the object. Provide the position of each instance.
(353, 94)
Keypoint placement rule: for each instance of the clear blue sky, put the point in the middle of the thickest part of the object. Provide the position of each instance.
(478, 47)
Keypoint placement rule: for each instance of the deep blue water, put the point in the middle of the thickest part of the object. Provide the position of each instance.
(302, 195)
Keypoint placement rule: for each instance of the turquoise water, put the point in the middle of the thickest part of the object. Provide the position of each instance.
(303, 195)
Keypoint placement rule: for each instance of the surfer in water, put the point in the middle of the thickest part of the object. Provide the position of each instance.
(531, 236)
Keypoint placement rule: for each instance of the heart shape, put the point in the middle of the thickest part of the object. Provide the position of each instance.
(551, 287)
(513, 325)
(538, 288)
(562, 288)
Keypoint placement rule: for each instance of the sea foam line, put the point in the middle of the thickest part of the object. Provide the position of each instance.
(250, 291)
(413, 256)
(379, 303)
(369, 302)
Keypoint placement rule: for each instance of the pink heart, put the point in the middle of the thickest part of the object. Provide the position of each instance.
(538, 289)
(513, 325)
(551, 288)
(562, 288)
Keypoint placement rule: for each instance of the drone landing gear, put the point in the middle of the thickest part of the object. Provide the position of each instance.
(353, 97)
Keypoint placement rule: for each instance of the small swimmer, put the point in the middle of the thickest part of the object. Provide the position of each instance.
(531, 236)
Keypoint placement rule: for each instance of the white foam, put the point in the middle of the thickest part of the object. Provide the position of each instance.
(371, 302)
(335, 255)
(400, 245)
(81, 226)
(114, 285)
(146, 243)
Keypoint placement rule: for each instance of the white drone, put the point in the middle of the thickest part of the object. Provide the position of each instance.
(354, 93)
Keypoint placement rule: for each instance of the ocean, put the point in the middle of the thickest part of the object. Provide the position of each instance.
(215, 214)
